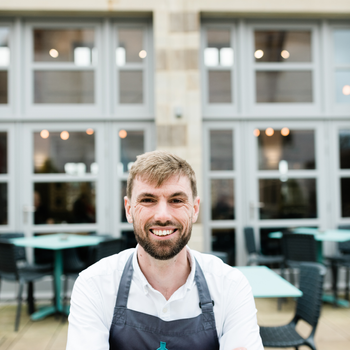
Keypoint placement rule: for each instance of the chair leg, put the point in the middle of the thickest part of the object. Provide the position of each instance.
(334, 269)
(347, 281)
(19, 304)
(30, 298)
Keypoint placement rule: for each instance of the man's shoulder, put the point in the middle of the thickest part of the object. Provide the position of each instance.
(109, 265)
(211, 264)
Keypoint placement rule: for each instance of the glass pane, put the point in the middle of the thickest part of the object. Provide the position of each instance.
(4, 47)
(3, 204)
(131, 87)
(289, 199)
(218, 51)
(64, 202)
(64, 45)
(270, 246)
(342, 46)
(345, 197)
(221, 150)
(64, 87)
(70, 152)
(284, 87)
(131, 145)
(344, 149)
(224, 240)
(222, 199)
(122, 195)
(342, 86)
(3, 153)
(282, 46)
(286, 149)
(3, 87)
(130, 46)
(219, 86)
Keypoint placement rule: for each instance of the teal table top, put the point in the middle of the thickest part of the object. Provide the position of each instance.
(327, 235)
(266, 283)
(57, 241)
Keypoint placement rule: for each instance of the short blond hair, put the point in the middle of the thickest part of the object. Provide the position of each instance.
(158, 166)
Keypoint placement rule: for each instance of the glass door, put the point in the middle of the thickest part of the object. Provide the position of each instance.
(287, 178)
(63, 169)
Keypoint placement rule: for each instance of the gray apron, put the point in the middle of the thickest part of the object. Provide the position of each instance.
(133, 330)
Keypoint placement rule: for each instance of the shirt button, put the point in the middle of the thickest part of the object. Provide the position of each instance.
(165, 310)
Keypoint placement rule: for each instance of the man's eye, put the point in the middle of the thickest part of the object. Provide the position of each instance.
(175, 200)
(147, 200)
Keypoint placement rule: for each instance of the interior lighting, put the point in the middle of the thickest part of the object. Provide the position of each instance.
(44, 134)
(285, 132)
(256, 132)
(143, 54)
(53, 53)
(123, 134)
(90, 131)
(269, 132)
(4, 56)
(258, 54)
(64, 135)
(285, 54)
(211, 56)
(226, 56)
(346, 90)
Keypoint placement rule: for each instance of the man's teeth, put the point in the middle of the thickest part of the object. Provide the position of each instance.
(162, 232)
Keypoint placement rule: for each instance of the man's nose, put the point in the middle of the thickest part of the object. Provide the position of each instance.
(162, 212)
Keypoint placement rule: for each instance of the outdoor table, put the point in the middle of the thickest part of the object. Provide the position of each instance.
(266, 283)
(55, 242)
(334, 235)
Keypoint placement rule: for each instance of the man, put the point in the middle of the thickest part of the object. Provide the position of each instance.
(162, 295)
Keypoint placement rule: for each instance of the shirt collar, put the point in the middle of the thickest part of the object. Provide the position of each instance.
(139, 277)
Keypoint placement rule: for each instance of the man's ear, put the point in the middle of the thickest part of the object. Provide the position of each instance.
(127, 206)
(196, 203)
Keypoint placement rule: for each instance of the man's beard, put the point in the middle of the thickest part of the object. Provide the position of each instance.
(162, 249)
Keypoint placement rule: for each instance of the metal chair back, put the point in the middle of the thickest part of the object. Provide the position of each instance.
(20, 251)
(8, 263)
(344, 247)
(109, 247)
(298, 247)
(250, 240)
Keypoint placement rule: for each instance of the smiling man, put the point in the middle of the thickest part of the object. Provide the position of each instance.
(162, 294)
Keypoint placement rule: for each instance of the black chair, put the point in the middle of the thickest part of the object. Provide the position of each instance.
(109, 246)
(11, 272)
(221, 255)
(341, 259)
(298, 248)
(255, 256)
(308, 309)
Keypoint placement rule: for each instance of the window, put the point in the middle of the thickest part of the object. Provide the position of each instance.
(4, 65)
(344, 165)
(4, 219)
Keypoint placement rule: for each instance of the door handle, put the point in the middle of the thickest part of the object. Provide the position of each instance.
(26, 210)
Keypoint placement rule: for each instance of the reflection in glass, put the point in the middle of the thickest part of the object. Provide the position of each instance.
(130, 147)
(270, 246)
(131, 87)
(342, 86)
(3, 153)
(297, 149)
(218, 51)
(3, 204)
(4, 47)
(221, 150)
(291, 199)
(342, 46)
(344, 149)
(219, 84)
(122, 195)
(283, 46)
(130, 44)
(284, 87)
(64, 45)
(345, 197)
(224, 240)
(3, 87)
(64, 87)
(222, 199)
(64, 202)
(74, 156)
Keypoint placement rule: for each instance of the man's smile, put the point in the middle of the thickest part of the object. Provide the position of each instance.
(163, 232)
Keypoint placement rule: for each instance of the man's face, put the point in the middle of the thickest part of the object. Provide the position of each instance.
(163, 216)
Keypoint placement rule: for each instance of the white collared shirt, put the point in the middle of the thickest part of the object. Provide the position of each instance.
(95, 292)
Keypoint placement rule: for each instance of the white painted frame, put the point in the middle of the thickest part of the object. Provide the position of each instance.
(29, 178)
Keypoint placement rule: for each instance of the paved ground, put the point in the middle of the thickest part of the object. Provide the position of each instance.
(333, 331)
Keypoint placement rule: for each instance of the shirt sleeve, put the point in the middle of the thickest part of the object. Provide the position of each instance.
(240, 327)
(87, 328)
